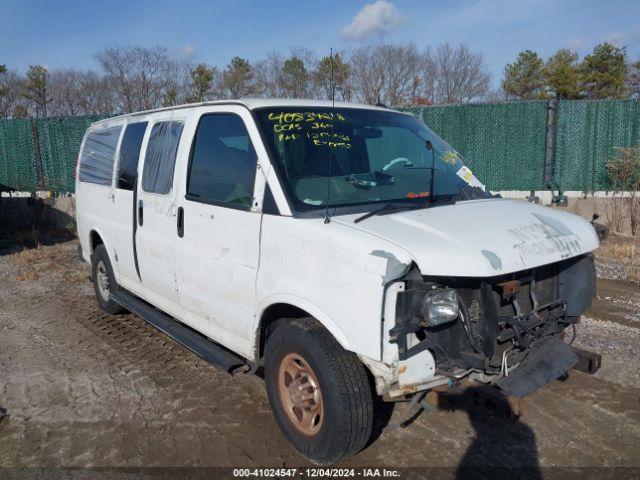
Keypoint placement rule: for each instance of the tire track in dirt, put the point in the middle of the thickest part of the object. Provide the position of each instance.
(87, 389)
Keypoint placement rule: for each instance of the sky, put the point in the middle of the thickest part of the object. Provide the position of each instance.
(61, 34)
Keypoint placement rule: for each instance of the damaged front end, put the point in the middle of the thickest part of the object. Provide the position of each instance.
(506, 330)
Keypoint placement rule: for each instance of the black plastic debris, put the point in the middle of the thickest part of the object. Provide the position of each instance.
(547, 361)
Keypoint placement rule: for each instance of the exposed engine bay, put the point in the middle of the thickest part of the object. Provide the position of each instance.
(508, 329)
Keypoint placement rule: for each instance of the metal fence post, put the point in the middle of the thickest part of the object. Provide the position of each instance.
(550, 144)
(38, 156)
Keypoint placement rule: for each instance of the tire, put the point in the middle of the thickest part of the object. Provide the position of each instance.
(345, 419)
(104, 281)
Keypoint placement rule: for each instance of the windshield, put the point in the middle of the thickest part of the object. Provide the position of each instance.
(346, 156)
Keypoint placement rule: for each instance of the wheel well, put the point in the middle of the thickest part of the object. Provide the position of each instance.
(272, 314)
(94, 240)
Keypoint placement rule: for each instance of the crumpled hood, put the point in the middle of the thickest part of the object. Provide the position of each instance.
(481, 238)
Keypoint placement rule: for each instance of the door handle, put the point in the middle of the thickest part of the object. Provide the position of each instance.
(140, 213)
(180, 222)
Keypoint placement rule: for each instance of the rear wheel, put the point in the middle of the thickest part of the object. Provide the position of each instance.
(319, 393)
(104, 281)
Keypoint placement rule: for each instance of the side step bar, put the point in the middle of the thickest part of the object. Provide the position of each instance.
(194, 341)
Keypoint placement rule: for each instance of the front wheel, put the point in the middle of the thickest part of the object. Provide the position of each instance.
(319, 393)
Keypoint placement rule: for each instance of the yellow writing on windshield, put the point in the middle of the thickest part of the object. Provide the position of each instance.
(300, 117)
(318, 127)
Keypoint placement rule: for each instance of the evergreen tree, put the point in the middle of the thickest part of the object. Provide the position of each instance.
(333, 65)
(201, 81)
(524, 79)
(294, 78)
(36, 88)
(563, 74)
(605, 72)
(238, 78)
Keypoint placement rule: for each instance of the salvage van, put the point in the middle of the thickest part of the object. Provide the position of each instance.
(341, 251)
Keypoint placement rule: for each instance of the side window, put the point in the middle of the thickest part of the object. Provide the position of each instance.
(160, 159)
(96, 161)
(223, 162)
(130, 154)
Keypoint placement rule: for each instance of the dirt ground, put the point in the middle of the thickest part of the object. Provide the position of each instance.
(84, 389)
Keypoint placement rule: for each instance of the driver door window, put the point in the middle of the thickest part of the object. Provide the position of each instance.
(223, 162)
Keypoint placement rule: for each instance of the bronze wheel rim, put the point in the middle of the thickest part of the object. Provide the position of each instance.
(300, 395)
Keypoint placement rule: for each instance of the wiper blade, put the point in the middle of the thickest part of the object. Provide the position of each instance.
(387, 208)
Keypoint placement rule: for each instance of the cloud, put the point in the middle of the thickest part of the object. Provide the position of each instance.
(188, 51)
(374, 19)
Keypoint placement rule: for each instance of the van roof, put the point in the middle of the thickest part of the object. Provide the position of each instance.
(253, 103)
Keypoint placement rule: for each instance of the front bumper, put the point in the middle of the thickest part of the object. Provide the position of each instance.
(495, 335)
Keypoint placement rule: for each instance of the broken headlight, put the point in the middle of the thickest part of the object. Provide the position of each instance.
(439, 306)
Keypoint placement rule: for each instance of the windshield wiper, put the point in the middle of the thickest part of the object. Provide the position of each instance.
(387, 208)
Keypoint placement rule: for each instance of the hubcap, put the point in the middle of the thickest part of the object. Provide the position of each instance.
(102, 279)
(300, 394)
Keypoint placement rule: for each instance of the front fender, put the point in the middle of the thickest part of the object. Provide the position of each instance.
(307, 306)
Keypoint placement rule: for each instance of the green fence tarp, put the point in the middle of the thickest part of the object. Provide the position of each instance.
(60, 140)
(586, 136)
(502, 143)
(17, 156)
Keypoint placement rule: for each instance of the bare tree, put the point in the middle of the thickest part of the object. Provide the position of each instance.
(461, 75)
(134, 78)
(310, 61)
(11, 88)
(97, 94)
(633, 79)
(64, 86)
(267, 75)
(140, 76)
(76, 92)
(369, 75)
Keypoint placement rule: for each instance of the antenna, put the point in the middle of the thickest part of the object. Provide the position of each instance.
(433, 170)
(327, 219)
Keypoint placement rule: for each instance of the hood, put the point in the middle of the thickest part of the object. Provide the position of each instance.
(482, 238)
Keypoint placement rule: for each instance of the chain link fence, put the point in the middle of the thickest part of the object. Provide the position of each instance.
(504, 144)
(586, 137)
(40, 154)
(17, 156)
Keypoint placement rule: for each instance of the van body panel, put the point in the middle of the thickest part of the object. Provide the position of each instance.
(218, 253)
(231, 264)
(339, 270)
(94, 203)
(483, 238)
(156, 234)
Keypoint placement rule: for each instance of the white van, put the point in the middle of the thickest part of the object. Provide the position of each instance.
(343, 251)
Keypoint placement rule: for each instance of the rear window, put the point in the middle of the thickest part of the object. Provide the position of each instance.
(160, 159)
(130, 154)
(96, 161)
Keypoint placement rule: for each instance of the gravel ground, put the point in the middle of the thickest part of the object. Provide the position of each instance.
(84, 389)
